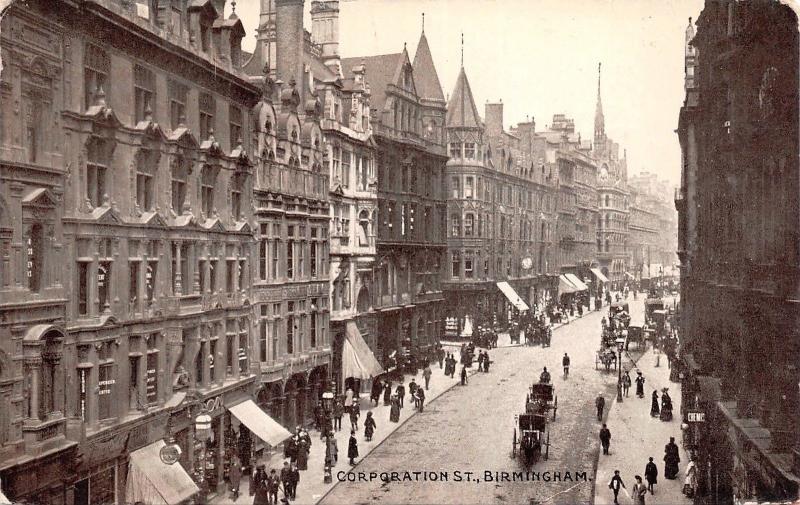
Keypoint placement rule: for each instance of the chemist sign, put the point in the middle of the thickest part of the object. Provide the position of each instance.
(695, 417)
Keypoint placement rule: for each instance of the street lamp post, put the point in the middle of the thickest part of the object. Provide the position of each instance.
(620, 346)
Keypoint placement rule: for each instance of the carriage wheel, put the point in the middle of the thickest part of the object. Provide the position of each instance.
(514, 445)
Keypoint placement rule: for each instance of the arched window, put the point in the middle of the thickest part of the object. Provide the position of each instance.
(455, 225)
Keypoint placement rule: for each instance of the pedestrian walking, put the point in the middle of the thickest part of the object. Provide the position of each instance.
(639, 384)
(332, 449)
(235, 476)
(426, 374)
(600, 403)
(303, 448)
(639, 491)
(654, 410)
(348, 399)
(286, 479)
(259, 489)
(480, 361)
(420, 399)
(690, 482)
(605, 438)
(401, 393)
(375, 393)
(440, 354)
(355, 413)
(412, 391)
(651, 475)
(486, 361)
(394, 410)
(352, 448)
(671, 459)
(387, 393)
(369, 427)
(318, 412)
(338, 412)
(273, 485)
(290, 449)
(294, 480)
(615, 485)
(463, 376)
(626, 383)
(565, 364)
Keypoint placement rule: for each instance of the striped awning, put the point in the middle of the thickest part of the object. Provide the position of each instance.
(512, 296)
(600, 277)
(577, 282)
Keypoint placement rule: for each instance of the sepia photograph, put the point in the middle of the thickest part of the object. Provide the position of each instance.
(399, 252)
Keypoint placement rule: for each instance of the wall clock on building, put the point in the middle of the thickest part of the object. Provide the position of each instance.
(527, 263)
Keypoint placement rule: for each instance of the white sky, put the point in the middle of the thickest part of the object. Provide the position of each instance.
(540, 57)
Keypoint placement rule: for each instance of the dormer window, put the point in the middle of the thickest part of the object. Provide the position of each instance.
(469, 150)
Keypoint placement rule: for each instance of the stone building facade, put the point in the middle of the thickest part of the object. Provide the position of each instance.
(738, 207)
(407, 115)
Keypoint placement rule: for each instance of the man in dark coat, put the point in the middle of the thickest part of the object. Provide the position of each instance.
(420, 399)
(651, 475)
(600, 403)
(605, 438)
(286, 479)
(440, 356)
(352, 448)
(273, 485)
(290, 449)
(401, 393)
(671, 459)
(294, 479)
(338, 412)
(412, 390)
(377, 389)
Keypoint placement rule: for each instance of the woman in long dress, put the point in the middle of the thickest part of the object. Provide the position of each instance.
(654, 410)
(387, 393)
(394, 412)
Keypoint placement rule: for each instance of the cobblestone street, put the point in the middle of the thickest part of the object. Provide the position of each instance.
(470, 429)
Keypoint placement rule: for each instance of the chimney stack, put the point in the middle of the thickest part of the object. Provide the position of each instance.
(494, 118)
(289, 21)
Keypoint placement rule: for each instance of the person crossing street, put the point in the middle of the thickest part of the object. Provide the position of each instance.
(565, 364)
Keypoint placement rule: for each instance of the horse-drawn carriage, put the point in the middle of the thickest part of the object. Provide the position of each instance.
(606, 357)
(531, 435)
(541, 400)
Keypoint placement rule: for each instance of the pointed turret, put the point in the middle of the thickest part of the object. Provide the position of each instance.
(461, 110)
(690, 57)
(425, 76)
(599, 119)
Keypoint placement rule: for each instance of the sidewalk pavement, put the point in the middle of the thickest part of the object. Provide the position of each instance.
(635, 436)
(312, 487)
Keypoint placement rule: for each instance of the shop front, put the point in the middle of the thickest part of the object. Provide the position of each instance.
(42, 479)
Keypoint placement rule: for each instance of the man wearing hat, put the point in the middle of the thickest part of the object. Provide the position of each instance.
(258, 487)
(600, 403)
(286, 479)
(273, 484)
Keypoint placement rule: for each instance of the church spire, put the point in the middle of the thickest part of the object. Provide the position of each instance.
(599, 119)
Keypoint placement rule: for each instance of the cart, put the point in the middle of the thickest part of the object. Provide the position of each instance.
(541, 400)
(530, 436)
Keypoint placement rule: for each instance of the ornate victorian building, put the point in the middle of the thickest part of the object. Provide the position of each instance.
(407, 116)
(127, 291)
(291, 291)
(739, 244)
(613, 201)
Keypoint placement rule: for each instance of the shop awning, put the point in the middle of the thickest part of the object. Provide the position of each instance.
(630, 275)
(358, 361)
(154, 482)
(577, 282)
(259, 422)
(600, 277)
(512, 296)
(565, 286)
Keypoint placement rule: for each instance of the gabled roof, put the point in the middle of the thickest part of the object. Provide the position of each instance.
(425, 76)
(381, 71)
(461, 110)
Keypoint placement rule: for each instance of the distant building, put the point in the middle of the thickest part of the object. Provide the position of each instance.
(739, 250)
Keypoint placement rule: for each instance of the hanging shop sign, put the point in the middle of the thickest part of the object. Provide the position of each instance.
(695, 417)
